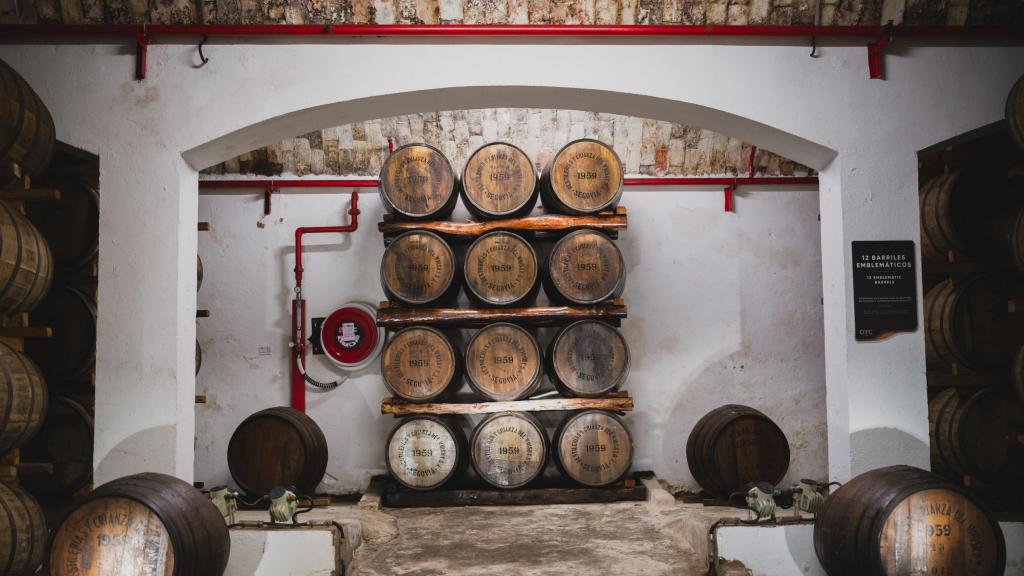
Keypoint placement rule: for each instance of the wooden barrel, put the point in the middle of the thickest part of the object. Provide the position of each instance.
(277, 447)
(71, 353)
(143, 524)
(499, 181)
(70, 225)
(417, 183)
(1015, 241)
(584, 267)
(199, 272)
(593, 448)
(66, 442)
(588, 359)
(27, 135)
(968, 324)
(509, 449)
(1017, 375)
(1015, 112)
(584, 177)
(425, 452)
(26, 265)
(420, 364)
(733, 445)
(199, 356)
(900, 520)
(503, 362)
(501, 270)
(419, 269)
(957, 212)
(23, 398)
(977, 435)
(22, 532)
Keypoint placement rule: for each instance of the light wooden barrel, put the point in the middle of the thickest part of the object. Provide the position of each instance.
(143, 524)
(66, 442)
(70, 225)
(420, 364)
(900, 520)
(23, 398)
(733, 445)
(584, 177)
(26, 265)
(499, 181)
(968, 323)
(419, 269)
(417, 183)
(277, 447)
(503, 362)
(27, 134)
(977, 435)
(501, 269)
(22, 532)
(588, 359)
(584, 267)
(509, 449)
(593, 448)
(425, 452)
(1015, 112)
(70, 354)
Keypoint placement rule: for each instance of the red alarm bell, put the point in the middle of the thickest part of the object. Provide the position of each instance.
(350, 336)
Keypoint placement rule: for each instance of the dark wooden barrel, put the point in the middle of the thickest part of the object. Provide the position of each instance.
(584, 267)
(501, 269)
(22, 532)
(901, 520)
(425, 452)
(27, 135)
(588, 359)
(420, 364)
(503, 362)
(23, 398)
(66, 442)
(70, 225)
(26, 265)
(199, 356)
(142, 524)
(417, 183)
(1015, 241)
(968, 324)
(1017, 375)
(1015, 112)
(419, 269)
(958, 210)
(733, 445)
(593, 448)
(509, 449)
(584, 177)
(277, 447)
(71, 353)
(976, 435)
(199, 272)
(499, 181)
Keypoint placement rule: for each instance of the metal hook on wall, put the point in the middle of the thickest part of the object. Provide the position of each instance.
(814, 47)
(201, 55)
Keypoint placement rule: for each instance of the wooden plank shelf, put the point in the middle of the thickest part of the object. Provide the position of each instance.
(966, 380)
(619, 402)
(390, 316)
(610, 222)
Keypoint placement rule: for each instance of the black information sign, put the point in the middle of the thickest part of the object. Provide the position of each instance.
(884, 288)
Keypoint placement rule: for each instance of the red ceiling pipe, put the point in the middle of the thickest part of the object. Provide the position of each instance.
(654, 181)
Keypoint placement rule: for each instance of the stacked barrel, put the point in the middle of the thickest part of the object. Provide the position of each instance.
(509, 361)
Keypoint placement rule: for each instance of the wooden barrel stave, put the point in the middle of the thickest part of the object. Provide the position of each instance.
(1015, 112)
(593, 448)
(23, 399)
(70, 354)
(584, 177)
(584, 267)
(420, 269)
(501, 269)
(26, 265)
(277, 447)
(22, 532)
(425, 452)
(27, 135)
(421, 364)
(499, 181)
(70, 225)
(509, 449)
(66, 442)
(503, 362)
(417, 183)
(588, 359)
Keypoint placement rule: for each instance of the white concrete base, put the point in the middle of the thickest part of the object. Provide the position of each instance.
(1013, 532)
(313, 551)
(771, 551)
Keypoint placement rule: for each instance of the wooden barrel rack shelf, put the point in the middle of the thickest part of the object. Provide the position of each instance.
(610, 222)
(391, 316)
(619, 402)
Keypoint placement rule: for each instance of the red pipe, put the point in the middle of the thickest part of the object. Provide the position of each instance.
(654, 181)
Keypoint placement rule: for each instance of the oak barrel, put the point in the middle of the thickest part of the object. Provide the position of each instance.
(499, 181)
(1014, 238)
(968, 324)
(976, 435)
(22, 532)
(733, 445)
(66, 442)
(509, 449)
(501, 269)
(958, 212)
(71, 353)
(26, 265)
(277, 447)
(503, 362)
(593, 448)
(419, 269)
(23, 398)
(901, 521)
(584, 267)
(70, 225)
(142, 524)
(417, 183)
(1017, 375)
(420, 364)
(1015, 112)
(425, 452)
(584, 177)
(588, 359)
(27, 134)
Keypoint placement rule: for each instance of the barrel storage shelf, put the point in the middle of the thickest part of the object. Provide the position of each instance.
(610, 222)
(620, 402)
(392, 316)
